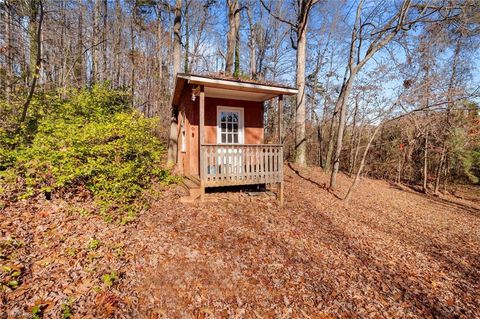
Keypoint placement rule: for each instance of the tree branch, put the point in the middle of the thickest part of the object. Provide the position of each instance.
(291, 24)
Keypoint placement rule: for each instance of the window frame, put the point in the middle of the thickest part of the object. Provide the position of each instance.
(240, 110)
(183, 134)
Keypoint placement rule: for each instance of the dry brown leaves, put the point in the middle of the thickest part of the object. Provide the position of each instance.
(389, 253)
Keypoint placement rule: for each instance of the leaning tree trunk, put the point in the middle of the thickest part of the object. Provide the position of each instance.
(356, 63)
(357, 146)
(342, 107)
(177, 56)
(38, 60)
(362, 165)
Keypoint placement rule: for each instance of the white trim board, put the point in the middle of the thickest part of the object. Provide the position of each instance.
(192, 79)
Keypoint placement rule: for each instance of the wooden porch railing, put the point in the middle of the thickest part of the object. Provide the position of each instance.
(241, 164)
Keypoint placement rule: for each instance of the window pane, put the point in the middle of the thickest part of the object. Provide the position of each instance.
(235, 117)
(229, 117)
(223, 138)
(235, 127)
(223, 116)
(229, 127)
(229, 138)
(235, 138)
(224, 127)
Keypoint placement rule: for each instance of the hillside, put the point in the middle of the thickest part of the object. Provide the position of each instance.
(391, 253)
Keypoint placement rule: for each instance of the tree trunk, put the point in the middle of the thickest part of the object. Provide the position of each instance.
(236, 71)
(300, 142)
(326, 102)
(94, 39)
(99, 49)
(132, 52)
(32, 30)
(63, 58)
(351, 159)
(251, 45)
(160, 82)
(330, 145)
(341, 104)
(8, 33)
(187, 39)
(38, 56)
(355, 64)
(313, 114)
(117, 44)
(177, 56)
(80, 69)
(425, 163)
(342, 107)
(104, 72)
(231, 36)
(362, 165)
(177, 38)
(399, 168)
(439, 169)
(445, 174)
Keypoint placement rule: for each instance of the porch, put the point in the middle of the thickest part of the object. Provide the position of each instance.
(241, 164)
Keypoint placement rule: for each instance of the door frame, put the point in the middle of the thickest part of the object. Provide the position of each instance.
(241, 126)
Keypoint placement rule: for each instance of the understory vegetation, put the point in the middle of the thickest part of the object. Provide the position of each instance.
(91, 139)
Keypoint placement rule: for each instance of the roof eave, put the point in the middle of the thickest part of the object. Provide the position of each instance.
(227, 84)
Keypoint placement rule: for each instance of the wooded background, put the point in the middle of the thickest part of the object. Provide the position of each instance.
(388, 89)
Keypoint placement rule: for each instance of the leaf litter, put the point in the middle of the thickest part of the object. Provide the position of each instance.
(389, 253)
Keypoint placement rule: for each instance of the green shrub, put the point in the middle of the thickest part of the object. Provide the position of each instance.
(93, 139)
(465, 161)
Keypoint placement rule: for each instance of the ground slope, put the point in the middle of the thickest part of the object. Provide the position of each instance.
(389, 253)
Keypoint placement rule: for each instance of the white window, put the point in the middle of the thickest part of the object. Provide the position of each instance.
(183, 134)
(229, 125)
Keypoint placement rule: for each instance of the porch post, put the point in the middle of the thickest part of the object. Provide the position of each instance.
(202, 141)
(279, 141)
(279, 119)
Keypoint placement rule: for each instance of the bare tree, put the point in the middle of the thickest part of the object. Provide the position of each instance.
(300, 44)
(378, 38)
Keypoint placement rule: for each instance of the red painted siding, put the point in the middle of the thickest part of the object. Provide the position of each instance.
(253, 126)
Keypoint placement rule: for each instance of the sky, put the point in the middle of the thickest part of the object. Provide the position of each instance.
(330, 24)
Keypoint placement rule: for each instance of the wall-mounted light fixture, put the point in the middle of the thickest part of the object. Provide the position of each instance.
(195, 92)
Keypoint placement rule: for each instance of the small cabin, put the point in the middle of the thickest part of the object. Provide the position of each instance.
(220, 125)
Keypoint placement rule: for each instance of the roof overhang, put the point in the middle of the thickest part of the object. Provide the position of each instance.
(230, 89)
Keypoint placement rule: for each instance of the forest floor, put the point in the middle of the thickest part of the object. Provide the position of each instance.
(389, 253)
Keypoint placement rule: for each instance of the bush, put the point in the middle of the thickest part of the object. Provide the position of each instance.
(92, 139)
